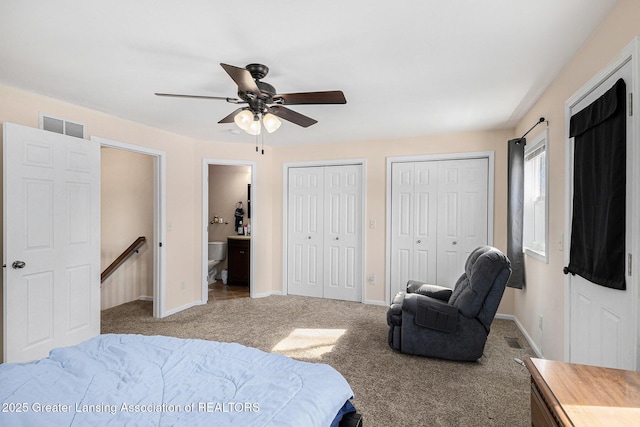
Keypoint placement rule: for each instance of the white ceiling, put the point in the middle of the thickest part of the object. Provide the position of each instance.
(407, 68)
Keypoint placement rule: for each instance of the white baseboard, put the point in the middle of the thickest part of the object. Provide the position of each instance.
(145, 298)
(265, 294)
(375, 302)
(533, 345)
(182, 308)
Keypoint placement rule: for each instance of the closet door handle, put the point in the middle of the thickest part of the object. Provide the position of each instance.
(419, 241)
(336, 238)
(454, 243)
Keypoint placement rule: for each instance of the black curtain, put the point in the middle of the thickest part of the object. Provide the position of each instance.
(515, 211)
(598, 226)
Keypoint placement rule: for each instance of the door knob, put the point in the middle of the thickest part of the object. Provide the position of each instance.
(309, 237)
(18, 264)
(336, 238)
(454, 243)
(419, 241)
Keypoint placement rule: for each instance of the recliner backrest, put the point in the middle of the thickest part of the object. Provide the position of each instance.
(479, 290)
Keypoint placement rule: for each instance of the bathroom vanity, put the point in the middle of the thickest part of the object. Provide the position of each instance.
(239, 260)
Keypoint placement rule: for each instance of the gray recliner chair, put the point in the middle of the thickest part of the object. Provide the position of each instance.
(435, 321)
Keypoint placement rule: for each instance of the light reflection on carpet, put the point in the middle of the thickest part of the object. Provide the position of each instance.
(308, 343)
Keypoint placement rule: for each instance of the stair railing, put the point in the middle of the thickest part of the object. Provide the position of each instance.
(133, 248)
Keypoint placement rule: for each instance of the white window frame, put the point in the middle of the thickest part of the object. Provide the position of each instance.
(540, 252)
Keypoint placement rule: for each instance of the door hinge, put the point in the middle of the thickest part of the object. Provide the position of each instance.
(630, 104)
(629, 263)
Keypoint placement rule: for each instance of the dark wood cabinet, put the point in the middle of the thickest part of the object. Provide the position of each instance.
(239, 261)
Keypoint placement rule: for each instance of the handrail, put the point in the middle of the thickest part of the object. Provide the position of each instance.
(122, 258)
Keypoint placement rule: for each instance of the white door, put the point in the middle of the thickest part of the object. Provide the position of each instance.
(462, 215)
(602, 320)
(324, 253)
(414, 225)
(51, 280)
(305, 273)
(342, 235)
(439, 214)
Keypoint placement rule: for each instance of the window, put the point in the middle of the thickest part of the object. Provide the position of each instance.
(535, 228)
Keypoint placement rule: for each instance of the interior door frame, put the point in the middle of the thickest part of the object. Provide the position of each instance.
(362, 162)
(159, 217)
(630, 54)
(255, 224)
(489, 155)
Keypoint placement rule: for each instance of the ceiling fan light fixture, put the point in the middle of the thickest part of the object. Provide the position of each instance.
(243, 119)
(254, 127)
(271, 123)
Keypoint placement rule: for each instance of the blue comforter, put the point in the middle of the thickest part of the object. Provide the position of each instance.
(162, 381)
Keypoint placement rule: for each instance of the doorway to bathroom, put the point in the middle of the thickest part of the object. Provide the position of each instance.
(229, 227)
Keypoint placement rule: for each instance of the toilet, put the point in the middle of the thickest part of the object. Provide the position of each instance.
(217, 253)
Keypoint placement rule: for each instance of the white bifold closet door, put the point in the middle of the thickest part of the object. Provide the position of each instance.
(324, 253)
(439, 212)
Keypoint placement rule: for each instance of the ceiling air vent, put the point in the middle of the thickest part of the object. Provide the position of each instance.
(58, 125)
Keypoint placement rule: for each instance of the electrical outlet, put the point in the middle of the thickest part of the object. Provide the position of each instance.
(372, 278)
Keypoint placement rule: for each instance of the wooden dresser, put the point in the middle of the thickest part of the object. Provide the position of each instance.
(568, 394)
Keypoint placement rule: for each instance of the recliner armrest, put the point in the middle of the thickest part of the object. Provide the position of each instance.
(394, 314)
(434, 291)
(431, 313)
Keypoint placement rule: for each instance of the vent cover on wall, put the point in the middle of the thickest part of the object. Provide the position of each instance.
(58, 125)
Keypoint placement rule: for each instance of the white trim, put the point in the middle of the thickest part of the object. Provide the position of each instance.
(181, 308)
(266, 294)
(541, 139)
(532, 344)
(159, 217)
(205, 220)
(285, 191)
(630, 54)
(489, 155)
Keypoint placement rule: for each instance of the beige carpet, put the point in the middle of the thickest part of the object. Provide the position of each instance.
(391, 389)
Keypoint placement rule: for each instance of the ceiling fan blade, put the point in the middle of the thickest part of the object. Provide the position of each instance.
(292, 116)
(327, 97)
(243, 79)
(230, 117)
(175, 95)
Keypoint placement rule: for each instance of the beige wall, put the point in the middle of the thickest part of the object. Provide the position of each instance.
(544, 293)
(126, 212)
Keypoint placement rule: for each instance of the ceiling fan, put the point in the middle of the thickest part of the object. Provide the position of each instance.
(263, 102)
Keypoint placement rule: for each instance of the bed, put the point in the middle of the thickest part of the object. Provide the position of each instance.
(164, 381)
